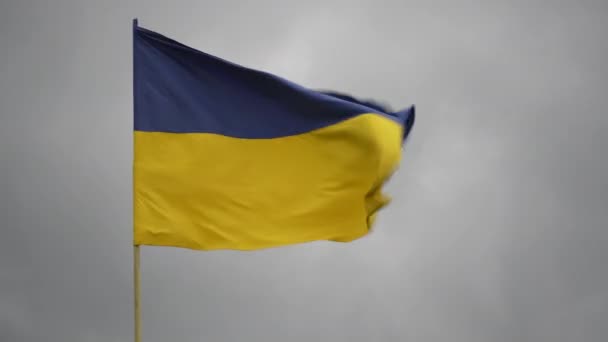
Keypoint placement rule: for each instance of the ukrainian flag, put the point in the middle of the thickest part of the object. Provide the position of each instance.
(226, 157)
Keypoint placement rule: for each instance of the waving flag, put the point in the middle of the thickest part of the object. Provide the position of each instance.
(227, 157)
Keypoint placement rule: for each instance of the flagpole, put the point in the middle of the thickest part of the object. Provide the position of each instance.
(136, 283)
(136, 278)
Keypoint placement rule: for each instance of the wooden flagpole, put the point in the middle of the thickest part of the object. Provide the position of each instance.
(136, 279)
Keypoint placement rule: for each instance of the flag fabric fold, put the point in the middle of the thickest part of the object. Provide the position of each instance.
(228, 157)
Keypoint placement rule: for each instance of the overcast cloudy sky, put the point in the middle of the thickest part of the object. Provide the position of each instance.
(499, 226)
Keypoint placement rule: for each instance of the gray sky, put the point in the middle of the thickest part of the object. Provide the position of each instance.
(498, 229)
